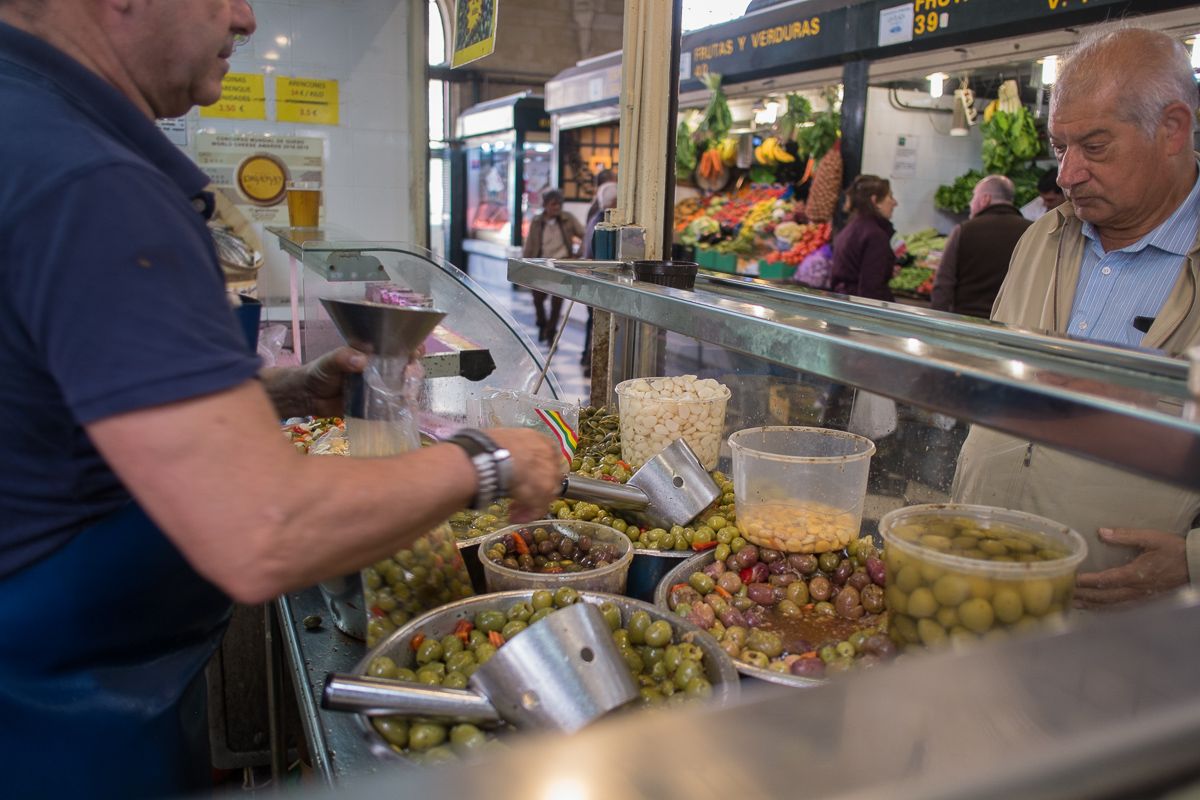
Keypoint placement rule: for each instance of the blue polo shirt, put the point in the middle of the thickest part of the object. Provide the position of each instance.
(111, 296)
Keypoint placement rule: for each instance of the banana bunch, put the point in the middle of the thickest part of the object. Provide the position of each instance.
(728, 149)
(1009, 101)
(772, 152)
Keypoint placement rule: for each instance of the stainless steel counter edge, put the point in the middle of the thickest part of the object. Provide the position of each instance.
(1120, 406)
(335, 743)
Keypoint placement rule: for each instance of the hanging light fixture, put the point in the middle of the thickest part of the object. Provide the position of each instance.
(937, 83)
(1196, 52)
(1050, 70)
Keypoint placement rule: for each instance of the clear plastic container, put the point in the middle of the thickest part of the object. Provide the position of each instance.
(799, 489)
(610, 578)
(958, 573)
(656, 411)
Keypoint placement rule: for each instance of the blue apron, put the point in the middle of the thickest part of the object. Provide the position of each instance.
(102, 650)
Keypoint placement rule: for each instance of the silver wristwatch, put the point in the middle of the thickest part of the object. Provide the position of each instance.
(493, 466)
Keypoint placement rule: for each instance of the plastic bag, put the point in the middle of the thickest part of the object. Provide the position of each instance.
(270, 344)
(504, 408)
(816, 270)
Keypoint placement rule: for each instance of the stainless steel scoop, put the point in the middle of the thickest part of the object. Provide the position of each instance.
(669, 489)
(562, 673)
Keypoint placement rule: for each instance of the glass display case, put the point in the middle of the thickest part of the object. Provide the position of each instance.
(478, 344)
(959, 409)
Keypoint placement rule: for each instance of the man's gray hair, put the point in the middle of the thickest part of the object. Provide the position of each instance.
(1149, 69)
(552, 195)
(999, 187)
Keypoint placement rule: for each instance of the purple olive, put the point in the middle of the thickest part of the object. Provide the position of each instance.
(768, 556)
(879, 645)
(731, 617)
(808, 668)
(868, 661)
(779, 567)
(843, 572)
(877, 571)
(762, 593)
(714, 569)
(702, 615)
(759, 573)
(872, 599)
(756, 616)
(730, 582)
(749, 555)
(797, 645)
(804, 563)
(683, 594)
(819, 588)
(780, 592)
(847, 600)
(859, 579)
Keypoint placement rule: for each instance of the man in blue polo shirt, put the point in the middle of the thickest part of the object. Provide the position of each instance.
(143, 479)
(1117, 264)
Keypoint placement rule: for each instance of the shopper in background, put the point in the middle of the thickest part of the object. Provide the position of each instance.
(1118, 263)
(143, 478)
(606, 198)
(1050, 196)
(602, 177)
(977, 252)
(863, 261)
(554, 233)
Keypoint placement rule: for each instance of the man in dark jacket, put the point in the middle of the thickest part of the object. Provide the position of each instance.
(978, 250)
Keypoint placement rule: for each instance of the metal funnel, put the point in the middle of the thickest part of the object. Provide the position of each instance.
(379, 329)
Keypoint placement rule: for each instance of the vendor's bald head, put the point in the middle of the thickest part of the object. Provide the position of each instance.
(1121, 120)
(164, 55)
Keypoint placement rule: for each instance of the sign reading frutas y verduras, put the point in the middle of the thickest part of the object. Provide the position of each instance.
(243, 96)
(764, 41)
(253, 171)
(474, 30)
(308, 100)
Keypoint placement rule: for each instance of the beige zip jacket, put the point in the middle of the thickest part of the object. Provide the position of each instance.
(1000, 470)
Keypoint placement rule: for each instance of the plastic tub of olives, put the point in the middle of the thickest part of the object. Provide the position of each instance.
(718, 666)
(573, 541)
(959, 573)
(680, 574)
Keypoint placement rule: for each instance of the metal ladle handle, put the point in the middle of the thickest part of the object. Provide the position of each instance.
(616, 496)
(382, 697)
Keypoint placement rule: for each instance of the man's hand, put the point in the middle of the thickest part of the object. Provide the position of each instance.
(1161, 567)
(538, 469)
(314, 389)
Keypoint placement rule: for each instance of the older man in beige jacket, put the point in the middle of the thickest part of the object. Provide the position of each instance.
(1121, 122)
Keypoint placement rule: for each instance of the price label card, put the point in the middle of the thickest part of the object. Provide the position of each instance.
(308, 100)
(243, 96)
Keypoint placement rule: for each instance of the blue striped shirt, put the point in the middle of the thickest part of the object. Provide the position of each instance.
(1116, 287)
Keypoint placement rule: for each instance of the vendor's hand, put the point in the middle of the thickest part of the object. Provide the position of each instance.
(322, 380)
(1161, 567)
(538, 469)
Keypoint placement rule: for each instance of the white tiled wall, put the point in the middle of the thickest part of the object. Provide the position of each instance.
(940, 157)
(362, 44)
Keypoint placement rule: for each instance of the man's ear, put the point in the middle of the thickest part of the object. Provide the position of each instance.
(1177, 122)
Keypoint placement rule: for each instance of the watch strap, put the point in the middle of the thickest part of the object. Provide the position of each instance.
(493, 466)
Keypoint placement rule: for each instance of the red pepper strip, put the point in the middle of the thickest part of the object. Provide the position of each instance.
(609, 478)
(462, 631)
(496, 638)
(679, 586)
(522, 545)
(376, 611)
(704, 545)
(746, 574)
(721, 590)
(809, 654)
(416, 641)
(623, 464)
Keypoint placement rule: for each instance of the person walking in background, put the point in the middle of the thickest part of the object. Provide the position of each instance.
(863, 260)
(606, 198)
(602, 177)
(554, 233)
(978, 251)
(1050, 196)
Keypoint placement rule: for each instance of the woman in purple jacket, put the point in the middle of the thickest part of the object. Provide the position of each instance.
(862, 253)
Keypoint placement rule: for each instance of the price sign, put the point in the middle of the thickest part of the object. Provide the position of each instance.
(307, 100)
(243, 96)
(937, 17)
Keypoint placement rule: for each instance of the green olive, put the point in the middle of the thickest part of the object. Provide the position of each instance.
(429, 651)
(512, 628)
(382, 667)
(467, 737)
(542, 599)
(976, 615)
(1036, 596)
(490, 620)
(394, 730)
(539, 615)
(639, 621)
(452, 644)
(907, 579)
(1006, 602)
(425, 735)
(950, 590)
(947, 617)
(921, 603)
(930, 633)
(565, 596)
(701, 582)
(454, 680)
(658, 634)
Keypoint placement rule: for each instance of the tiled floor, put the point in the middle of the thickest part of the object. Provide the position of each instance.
(565, 365)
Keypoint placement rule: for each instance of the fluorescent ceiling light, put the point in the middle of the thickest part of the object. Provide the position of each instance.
(937, 83)
(1049, 70)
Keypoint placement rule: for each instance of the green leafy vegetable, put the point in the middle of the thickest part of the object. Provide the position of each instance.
(798, 112)
(1009, 139)
(816, 139)
(685, 150)
(717, 117)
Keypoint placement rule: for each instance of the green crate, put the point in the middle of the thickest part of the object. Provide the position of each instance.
(776, 270)
(724, 262)
(705, 256)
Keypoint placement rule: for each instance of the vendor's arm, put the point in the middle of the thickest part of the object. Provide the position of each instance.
(1164, 565)
(257, 518)
(315, 389)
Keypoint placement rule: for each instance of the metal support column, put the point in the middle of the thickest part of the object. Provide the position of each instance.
(854, 117)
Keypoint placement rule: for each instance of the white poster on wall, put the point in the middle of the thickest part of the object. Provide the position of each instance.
(904, 162)
(253, 170)
(896, 25)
